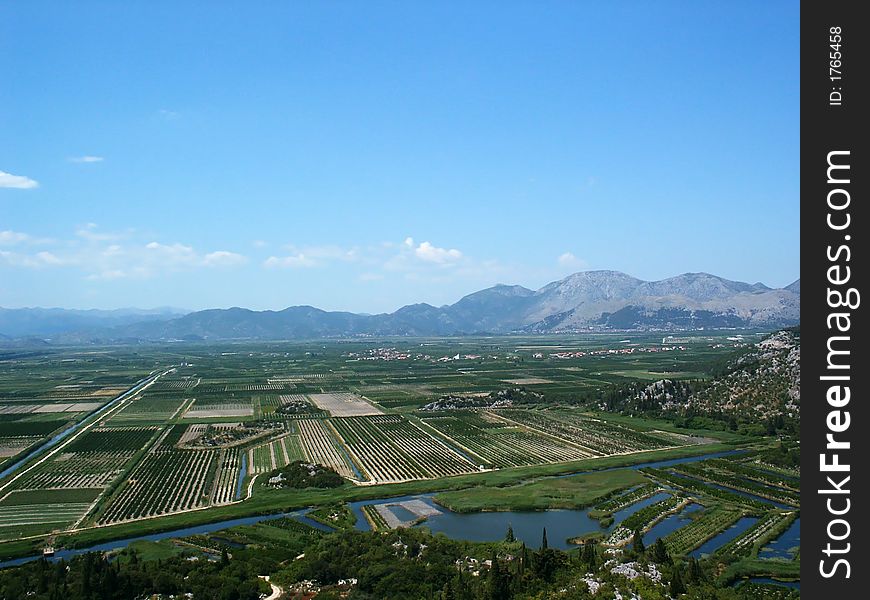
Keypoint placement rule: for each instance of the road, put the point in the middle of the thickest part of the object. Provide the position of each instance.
(276, 591)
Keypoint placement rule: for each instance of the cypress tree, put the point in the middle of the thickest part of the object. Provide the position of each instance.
(638, 542)
(677, 585)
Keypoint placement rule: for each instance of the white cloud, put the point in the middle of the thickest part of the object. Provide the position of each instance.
(18, 182)
(33, 261)
(106, 256)
(86, 159)
(223, 258)
(567, 259)
(89, 232)
(293, 261)
(433, 254)
(313, 256)
(10, 238)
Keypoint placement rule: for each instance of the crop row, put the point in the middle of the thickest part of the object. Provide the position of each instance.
(390, 448)
(649, 515)
(597, 437)
(757, 475)
(76, 470)
(227, 476)
(709, 524)
(693, 485)
(261, 459)
(504, 446)
(148, 409)
(319, 447)
(115, 439)
(703, 471)
(611, 505)
(743, 544)
(163, 482)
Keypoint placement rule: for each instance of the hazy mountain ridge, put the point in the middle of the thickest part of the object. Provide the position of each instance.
(19, 322)
(582, 301)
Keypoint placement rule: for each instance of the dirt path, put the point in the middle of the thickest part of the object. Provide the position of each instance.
(276, 591)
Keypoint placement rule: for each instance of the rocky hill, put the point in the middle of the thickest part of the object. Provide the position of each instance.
(590, 300)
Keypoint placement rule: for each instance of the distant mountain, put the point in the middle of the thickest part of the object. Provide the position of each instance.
(794, 287)
(590, 300)
(46, 322)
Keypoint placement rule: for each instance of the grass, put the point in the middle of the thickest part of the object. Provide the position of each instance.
(786, 570)
(566, 492)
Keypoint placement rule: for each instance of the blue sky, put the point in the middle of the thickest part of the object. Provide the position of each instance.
(362, 156)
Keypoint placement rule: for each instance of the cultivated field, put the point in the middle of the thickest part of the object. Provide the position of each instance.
(343, 404)
(217, 416)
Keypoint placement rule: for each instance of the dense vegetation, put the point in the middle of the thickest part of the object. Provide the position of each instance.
(92, 576)
(301, 474)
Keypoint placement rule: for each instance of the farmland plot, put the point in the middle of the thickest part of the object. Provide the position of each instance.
(167, 480)
(597, 437)
(92, 461)
(710, 523)
(203, 409)
(389, 448)
(227, 476)
(274, 454)
(147, 409)
(321, 447)
(344, 404)
(503, 446)
(31, 512)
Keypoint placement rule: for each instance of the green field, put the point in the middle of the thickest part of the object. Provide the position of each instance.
(568, 492)
(173, 453)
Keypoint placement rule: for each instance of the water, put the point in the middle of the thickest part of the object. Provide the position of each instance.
(719, 540)
(243, 472)
(785, 545)
(561, 524)
(670, 524)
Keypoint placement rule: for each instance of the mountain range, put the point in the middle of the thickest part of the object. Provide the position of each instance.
(589, 300)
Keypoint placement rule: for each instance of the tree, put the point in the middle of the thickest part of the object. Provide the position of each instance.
(660, 553)
(544, 544)
(497, 583)
(225, 558)
(677, 585)
(588, 555)
(695, 574)
(638, 541)
(524, 558)
(509, 536)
